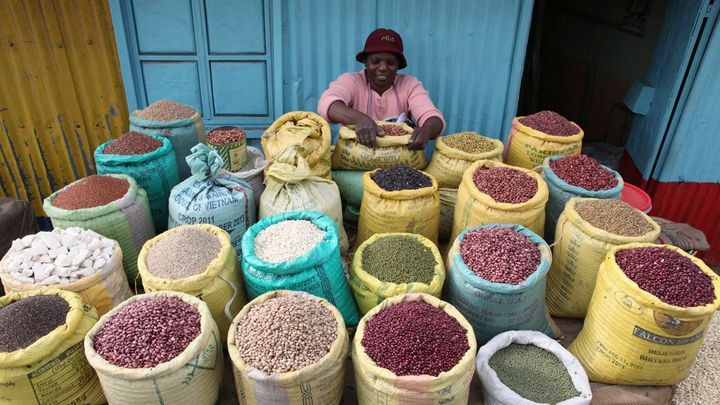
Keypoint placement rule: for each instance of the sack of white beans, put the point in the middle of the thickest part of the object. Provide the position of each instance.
(197, 260)
(297, 251)
(288, 347)
(161, 347)
(72, 259)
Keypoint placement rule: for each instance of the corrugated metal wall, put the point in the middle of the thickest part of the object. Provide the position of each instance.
(61, 93)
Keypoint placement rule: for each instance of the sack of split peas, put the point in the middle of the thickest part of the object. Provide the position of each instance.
(537, 136)
(391, 149)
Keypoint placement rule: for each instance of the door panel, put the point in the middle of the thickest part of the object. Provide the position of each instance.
(177, 81)
(235, 27)
(240, 88)
(164, 26)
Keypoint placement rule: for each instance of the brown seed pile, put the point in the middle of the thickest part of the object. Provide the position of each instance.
(668, 275)
(226, 136)
(285, 334)
(25, 321)
(166, 110)
(392, 130)
(92, 191)
(583, 171)
(614, 216)
(550, 123)
(148, 332)
(132, 143)
(505, 185)
(500, 255)
(470, 142)
(183, 253)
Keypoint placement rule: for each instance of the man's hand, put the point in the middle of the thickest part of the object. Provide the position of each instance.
(366, 131)
(419, 138)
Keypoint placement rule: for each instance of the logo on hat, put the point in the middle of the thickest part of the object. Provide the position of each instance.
(388, 38)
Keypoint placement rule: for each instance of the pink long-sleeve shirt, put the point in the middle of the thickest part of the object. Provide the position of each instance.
(406, 94)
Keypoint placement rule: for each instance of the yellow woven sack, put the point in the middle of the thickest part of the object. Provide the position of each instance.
(369, 291)
(193, 377)
(53, 370)
(377, 385)
(475, 208)
(448, 164)
(220, 285)
(305, 128)
(448, 198)
(631, 337)
(349, 154)
(579, 250)
(411, 211)
(528, 148)
(319, 383)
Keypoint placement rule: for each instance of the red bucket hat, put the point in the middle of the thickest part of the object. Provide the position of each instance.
(383, 40)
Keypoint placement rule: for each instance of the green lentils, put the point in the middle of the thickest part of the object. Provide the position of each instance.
(470, 142)
(399, 259)
(533, 373)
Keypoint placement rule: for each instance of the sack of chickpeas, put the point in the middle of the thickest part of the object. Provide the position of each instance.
(495, 193)
(161, 348)
(391, 149)
(288, 347)
(413, 348)
(42, 359)
(198, 260)
(537, 136)
(455, 153)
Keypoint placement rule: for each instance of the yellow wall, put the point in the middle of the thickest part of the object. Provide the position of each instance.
(61, 93)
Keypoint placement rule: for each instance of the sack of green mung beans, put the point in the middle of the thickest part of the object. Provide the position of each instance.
(288, 347)
(390, 264)
(72, 259)
(198, 260)
(537, 136)
(448, 198)
(148, 159)
(155, 348)
(528, 368)
(496, 278)
(495, 193)
(455, 153)
(112, 205)
(413, 348)
(391, 149)
(42, 359)
(587, 229)
(252, 173)
(297, 251)
(291, 186)
(576, 176)
(212, 196)
(180, 123)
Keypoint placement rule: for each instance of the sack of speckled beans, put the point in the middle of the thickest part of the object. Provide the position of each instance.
(390, 150)
(289, 347)
(495, 193)
(537, 136)
(161, 347)
(496, 278)
(647, 317)
(587, 229)
(413, 348)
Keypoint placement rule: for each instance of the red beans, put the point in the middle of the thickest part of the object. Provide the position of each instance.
(415, 338)
(92, 191)
(583, 171)
(392, 130)
(505, 185)
(550, 123)
(132, 143)
(500, 255)
(226, 136)
(668, 275)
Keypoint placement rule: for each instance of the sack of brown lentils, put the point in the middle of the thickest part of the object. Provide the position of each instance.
(297, 251)
(148, 159)
(42, 359)
(455, 153)
(537, 136)
(180, 123)
(288, 347)
(303, 128)
(161, 347)
(413, 348)
(391, 149)
(112, 205)
(576, 176)
(496, 278)
(647, 316)
(198, 260)
(390, 264)
(399, 199)
(587, 229)
(528, 368)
